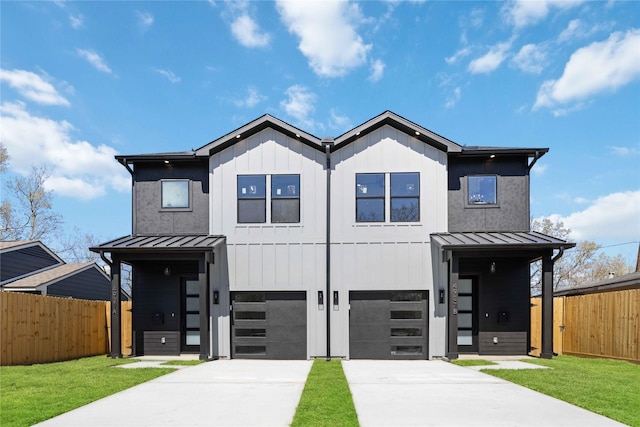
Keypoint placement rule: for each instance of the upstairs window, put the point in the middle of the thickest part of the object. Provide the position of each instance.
(405, 197)
(175, 194)
(482, 190)
(285, 198)
(252, 199)
(370, 197)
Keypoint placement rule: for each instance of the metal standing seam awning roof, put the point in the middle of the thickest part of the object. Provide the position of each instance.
(530, 240)
(168, 243)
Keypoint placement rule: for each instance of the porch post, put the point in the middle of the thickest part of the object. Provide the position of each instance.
(452, 342)
(547, 307)
(203, 279)
(116, 319)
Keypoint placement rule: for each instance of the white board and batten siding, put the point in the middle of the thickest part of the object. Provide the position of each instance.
(386, 255)
(273, 257)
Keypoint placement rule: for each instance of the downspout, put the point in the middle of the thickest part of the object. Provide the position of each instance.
(535, 159)
(328, 142)
(558, 255)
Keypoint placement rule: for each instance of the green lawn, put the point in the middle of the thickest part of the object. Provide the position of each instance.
(326, 399)
(472, 362)
(31, 394)
(604, 386)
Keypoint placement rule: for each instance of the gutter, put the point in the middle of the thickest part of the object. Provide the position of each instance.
(328, 142)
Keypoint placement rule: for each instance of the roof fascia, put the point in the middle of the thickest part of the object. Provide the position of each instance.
(255, 126)
(487, 151)
(403, 125)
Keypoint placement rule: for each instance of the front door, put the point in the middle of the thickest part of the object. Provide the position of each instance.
(468, 315)
(190, 315)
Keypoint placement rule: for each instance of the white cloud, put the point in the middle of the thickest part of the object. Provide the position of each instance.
(491, 60)
(461, 53)
(576, 29)
(94, 59)
(78, 169)
(600, 67)
(252, 99)
(339, 122)
(247, 32)
(327, 32)
(614, 217)
(145, 19)
(377, 70)
(521, 13)
(300, 104)
(625, 151)
(539, 169)
(33, 87)
(453, 99)
(76, 21)
(168, 74)
(531, 59)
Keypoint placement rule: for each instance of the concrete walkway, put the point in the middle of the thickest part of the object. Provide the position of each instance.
(438, 393)
(220, 393)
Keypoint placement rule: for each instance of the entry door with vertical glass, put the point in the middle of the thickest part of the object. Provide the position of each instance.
(467, 316)
(190, 315)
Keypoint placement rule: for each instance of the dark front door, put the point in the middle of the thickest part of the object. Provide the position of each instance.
(388, 325)
(190, 315)
(468, 315)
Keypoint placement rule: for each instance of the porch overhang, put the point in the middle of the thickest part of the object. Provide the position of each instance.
(126, 249)
(529, 245)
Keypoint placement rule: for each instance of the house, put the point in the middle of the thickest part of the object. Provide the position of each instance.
(386, 242)
(30, 266)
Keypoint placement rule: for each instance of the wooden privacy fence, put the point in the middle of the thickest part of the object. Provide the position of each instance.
(40, 329)
(605, 324)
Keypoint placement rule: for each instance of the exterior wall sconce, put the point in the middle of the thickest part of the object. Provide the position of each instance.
(320, 300)
(167, 271)
(336, 301)
(492, 268)
(216, 297)
(441, 296)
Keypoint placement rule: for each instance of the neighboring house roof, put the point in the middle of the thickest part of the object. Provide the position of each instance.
(497, 241)
(168, 243)
(620, 283)
(53, 275)
(22, 258)
(13, 245)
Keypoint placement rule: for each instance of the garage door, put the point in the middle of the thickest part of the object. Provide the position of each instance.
(269, 325)
(388, 325)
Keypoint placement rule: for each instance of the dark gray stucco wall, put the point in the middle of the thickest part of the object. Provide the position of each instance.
(512, 210)
(89, 284)
(150, 218)
(23, 261)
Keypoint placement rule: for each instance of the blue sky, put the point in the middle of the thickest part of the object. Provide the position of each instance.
(83, 81)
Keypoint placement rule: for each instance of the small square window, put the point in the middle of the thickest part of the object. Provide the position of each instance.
(175, 194)
(482, 190)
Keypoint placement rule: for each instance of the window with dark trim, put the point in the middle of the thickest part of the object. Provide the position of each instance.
(285, 198)
(252, 199)
(370, 197)
(405, 197)
(175, 194)
(482, 190)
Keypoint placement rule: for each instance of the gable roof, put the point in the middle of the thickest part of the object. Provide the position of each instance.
(50, 276)
(255, 126)
(14, 245)
(398, 122)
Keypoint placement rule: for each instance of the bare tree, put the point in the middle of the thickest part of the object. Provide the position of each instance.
(581, 265)
(28, 214)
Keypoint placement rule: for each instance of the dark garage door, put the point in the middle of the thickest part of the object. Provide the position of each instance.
(269, 325)
(388, 325)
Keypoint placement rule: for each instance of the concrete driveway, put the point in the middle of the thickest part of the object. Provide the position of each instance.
(437, 393)
(220, 393)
